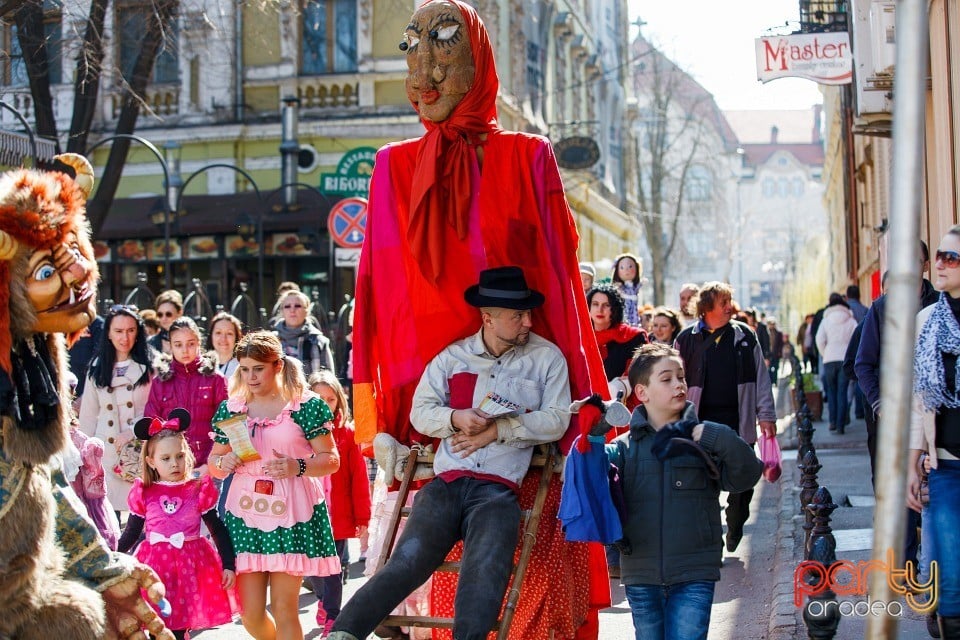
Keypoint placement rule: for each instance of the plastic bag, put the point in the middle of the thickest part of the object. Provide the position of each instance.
(770, 455)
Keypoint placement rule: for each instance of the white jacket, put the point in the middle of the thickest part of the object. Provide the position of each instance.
(107, 413)
(833, 336)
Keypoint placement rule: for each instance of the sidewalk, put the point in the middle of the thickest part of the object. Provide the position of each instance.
(846, 474)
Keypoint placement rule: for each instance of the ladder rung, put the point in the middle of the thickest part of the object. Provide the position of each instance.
(450, 567)
(418, 621)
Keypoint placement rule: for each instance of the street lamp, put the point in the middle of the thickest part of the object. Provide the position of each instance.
(260, 205)
(170, 205)
(173, 186)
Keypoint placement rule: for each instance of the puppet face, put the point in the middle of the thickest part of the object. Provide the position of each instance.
(61, 286)
(439, 60)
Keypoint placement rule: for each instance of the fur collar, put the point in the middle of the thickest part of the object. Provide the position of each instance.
(164, 366)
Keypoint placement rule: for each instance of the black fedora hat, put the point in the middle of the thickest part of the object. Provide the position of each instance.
(503, 287)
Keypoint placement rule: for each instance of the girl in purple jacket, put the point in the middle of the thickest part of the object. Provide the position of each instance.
(189, 380)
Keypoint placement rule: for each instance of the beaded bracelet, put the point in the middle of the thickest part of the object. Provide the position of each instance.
(303, 466)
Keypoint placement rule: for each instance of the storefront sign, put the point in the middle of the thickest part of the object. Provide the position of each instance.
(822, 57)
(353, 174)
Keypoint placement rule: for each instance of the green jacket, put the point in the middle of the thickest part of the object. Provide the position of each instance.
(673, 507)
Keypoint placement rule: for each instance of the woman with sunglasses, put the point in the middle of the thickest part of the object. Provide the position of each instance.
(118, 385)
(188, 379)
(169, 305)
(300, 338)
(935, 428)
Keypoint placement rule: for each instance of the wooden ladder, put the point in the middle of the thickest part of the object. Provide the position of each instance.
(544, 458)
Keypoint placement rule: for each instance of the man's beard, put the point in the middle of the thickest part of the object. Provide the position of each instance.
(519, 341)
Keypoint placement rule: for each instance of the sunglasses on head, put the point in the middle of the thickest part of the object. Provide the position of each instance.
(124, 307)
(949, 259)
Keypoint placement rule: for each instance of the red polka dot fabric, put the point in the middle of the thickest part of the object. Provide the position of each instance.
(555, 596)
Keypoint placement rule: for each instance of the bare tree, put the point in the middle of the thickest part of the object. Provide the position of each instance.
(28, 15)
(676, 123)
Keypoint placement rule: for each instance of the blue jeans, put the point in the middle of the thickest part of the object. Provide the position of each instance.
(835, 384)
(944, 535)
(486, 516)
(329, 589)
(678, 612)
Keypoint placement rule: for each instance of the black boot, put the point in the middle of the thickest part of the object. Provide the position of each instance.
(949, 627)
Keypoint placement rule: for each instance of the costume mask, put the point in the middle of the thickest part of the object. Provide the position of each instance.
(439, 60)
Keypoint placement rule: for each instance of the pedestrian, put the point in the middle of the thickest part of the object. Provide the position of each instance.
(301, 338)
(349, 497)
(588, 273)
(688, 313)
(833, 336)
(728, 382)
(665, 326)
(617, 339)
(169, 306)
(867, 367)
(224, 333)
(189, 379)
(935, 428)
(118, 386)
(276, 513)
(673, 467)
(167, 504)
(481, 460)
(627, 278)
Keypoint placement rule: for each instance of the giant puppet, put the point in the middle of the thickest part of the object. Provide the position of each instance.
(57, 577)
(465, 197)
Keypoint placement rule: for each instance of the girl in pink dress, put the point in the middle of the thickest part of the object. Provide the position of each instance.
(275, 509)
(166, 505)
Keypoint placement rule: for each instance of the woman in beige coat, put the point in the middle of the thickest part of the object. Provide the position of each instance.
(117, 389)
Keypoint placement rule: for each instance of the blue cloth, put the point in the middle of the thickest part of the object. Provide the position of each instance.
(835, 385)
(676, 612)
(586, 508)
(944, 525)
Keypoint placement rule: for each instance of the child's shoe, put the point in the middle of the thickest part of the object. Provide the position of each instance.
(327, 628)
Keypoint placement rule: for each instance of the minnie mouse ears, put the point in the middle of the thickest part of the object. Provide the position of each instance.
(146, 427)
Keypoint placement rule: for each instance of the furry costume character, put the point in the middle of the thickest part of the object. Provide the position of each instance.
(58, 579)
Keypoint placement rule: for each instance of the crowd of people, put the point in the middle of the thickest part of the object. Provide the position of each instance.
(230, 459)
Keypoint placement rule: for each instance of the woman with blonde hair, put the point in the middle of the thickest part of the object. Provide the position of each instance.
(279, 445)
(300, 337)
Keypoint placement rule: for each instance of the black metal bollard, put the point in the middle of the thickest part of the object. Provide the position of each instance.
(808, 488)
(821, 614)
(803, 417)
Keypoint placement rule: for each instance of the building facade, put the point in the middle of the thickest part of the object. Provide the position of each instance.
(268, 115)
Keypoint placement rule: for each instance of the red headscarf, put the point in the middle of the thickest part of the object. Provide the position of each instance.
(440, 192)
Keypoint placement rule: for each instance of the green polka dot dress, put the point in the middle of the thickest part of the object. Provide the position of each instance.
(280, 525)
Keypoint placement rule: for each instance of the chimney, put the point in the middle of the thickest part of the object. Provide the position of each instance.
(289, 150)
(817, 123)
(774, 132)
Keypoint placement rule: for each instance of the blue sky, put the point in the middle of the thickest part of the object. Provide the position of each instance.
(714, 42)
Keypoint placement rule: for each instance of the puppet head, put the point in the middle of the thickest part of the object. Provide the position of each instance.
(48, 280)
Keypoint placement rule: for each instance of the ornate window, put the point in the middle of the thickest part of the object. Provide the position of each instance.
(131, 25)
(13, 69)
(329, 40)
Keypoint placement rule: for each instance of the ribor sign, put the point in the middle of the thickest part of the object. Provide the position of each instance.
(822, 57)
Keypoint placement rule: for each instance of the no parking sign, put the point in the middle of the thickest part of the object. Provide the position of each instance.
(347, 222)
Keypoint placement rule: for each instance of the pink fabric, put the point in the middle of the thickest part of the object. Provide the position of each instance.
(90, 487)
(191, 574)
(292, 500)
(290, 563)
(200, 394)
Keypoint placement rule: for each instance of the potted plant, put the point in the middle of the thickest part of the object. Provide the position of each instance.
(812, 392)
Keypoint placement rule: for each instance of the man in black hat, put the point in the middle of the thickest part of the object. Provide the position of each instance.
(490, 398)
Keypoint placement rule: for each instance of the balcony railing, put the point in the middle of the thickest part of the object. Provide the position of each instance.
(818, 16)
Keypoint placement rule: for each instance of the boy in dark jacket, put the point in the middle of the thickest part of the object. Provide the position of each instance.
(673, 468)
